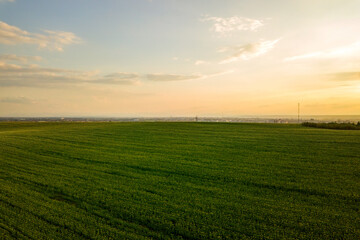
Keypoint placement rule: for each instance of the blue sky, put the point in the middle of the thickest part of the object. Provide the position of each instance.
(171, 57)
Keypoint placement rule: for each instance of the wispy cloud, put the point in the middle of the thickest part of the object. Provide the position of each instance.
(17, 75)
(201, 62)
(52, 40)
(160, 77)
(16, 58)
(220, 73)
(247, 51)
(35, 76)
(16, 100)
(3, 1)
(343, 51)
(16, 72)
(122, 78)
(342, 76)
(172, 77)
(235, 23)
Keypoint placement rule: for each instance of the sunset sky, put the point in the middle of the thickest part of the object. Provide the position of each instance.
(142, 58)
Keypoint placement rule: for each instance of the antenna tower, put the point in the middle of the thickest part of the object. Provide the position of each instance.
(298, 112)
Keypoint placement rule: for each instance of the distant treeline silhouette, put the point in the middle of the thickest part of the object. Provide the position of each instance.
(333, 125)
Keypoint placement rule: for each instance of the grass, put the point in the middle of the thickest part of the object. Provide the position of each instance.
(178, 181)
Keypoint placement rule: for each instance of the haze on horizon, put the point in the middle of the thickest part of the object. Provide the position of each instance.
(179, 58)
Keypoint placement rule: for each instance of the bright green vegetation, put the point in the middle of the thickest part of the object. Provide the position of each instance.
(333, 125)
(178, 181)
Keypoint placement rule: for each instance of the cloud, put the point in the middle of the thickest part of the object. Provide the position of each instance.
(35, 76)
(235, 23)
(172, 77)
(17, 75)
(21, 74)
(16, 58)
(248, 51)
(343, 76)
(16, 100)
(344, 51)
(201, 62)
(13, 75)
(3, 1)
(160, 77)
(52, 40)
(220, 73)
(119, 78)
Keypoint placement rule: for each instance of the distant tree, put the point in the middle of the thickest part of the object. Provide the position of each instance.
(334, 125)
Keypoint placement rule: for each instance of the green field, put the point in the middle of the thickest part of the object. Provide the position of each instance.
(178, 181)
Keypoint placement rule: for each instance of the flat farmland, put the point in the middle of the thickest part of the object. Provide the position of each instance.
(178, 181)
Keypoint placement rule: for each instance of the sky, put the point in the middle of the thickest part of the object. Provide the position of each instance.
(170, 58)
